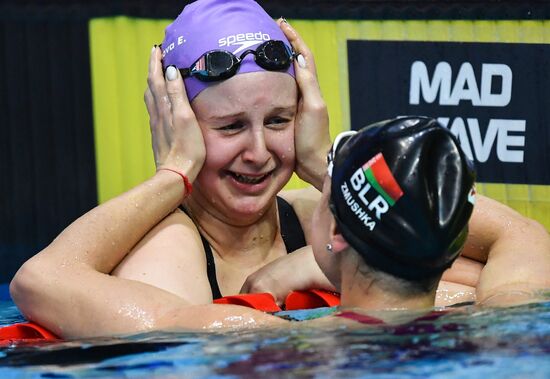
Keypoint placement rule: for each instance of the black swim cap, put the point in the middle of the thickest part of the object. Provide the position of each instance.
(402, 195)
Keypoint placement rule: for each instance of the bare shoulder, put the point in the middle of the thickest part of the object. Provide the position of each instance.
(492, 220)
(171, 256)
(304, 202)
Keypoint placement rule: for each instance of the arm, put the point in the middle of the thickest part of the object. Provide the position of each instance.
(61, 293)
(458, 283)
(275, 279)
(312, 139)
(66, 282)
(516, 250)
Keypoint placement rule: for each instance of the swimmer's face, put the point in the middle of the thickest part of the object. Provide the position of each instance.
(248, 128)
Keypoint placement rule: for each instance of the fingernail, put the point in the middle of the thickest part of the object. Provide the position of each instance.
(284, 20)
(171, 73)
(301, 61)
(153, 48)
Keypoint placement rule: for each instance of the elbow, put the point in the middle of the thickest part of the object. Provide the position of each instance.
(535, 235)
(27, 284)
(21, 282)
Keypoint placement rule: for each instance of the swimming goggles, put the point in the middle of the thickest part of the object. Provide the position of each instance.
(215, 65)
(339, 141)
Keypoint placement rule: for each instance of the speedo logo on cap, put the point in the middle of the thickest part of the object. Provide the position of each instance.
(244, 40)
(374, 175)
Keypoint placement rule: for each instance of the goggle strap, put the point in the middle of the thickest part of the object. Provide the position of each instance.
(185, 72)
(291, 53)
(336, 145)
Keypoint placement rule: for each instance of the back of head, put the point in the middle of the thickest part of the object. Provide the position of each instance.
(205, 25)
(402, 195)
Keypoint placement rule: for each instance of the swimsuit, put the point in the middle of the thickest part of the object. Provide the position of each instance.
(291, 232)
(365, 319)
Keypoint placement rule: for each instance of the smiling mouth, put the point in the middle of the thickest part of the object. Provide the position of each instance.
(247, 179)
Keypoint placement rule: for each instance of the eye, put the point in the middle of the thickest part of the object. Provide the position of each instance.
(278, 122)
(231, 128)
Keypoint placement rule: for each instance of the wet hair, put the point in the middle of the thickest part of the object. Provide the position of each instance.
(404, 288)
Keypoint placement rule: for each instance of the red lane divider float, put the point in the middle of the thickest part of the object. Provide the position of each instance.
(295, 300)
(311, 299)
(28, 332)
(260, 301)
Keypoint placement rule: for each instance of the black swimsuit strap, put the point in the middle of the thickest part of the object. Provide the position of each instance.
(210, 264)
(291, 229)
(211, 269)
(291, 232)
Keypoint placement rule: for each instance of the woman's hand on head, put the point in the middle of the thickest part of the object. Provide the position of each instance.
(312, 138)
(176, 136)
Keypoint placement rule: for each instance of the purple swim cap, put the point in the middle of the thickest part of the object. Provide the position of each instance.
(234, 26)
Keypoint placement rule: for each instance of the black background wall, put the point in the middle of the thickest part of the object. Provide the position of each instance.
(47, 164)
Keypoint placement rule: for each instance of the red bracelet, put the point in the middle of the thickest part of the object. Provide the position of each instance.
(186, 182)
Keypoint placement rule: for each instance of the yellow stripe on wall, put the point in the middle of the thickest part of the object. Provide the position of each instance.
(120, 48)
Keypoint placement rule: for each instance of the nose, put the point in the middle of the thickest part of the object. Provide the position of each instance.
(256, 151)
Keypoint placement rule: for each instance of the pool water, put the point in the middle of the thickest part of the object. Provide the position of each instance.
(471, 342)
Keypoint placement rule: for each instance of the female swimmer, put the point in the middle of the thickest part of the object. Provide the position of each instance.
(237, 139)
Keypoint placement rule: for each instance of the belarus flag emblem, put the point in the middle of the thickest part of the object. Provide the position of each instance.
(380, 177)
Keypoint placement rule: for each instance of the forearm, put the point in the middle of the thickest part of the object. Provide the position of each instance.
(57, 299)
(311, 277)
(274, 277)
(312, 137)
(109, 306)
(313, 169)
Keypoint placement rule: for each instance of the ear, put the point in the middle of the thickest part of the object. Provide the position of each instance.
(338, 242)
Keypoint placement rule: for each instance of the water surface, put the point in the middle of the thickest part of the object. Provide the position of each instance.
(470, 343)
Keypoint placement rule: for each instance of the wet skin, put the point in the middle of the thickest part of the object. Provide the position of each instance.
(249, 137)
